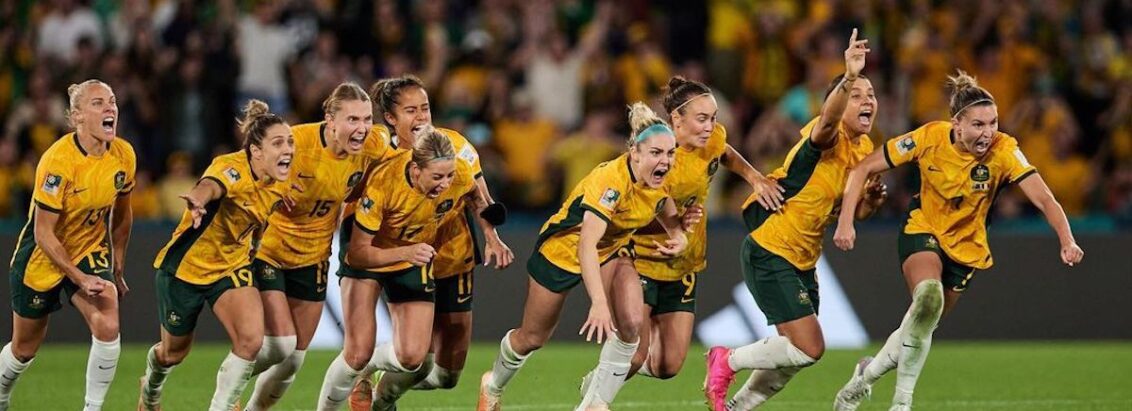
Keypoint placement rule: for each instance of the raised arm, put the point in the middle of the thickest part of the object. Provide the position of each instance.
(825, 132)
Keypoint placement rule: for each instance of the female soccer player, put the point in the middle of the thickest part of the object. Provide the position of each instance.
(404, 106)
(391, 250)
(82, 199)
(963, 165)
(581, 244)
(782, 249)
(291, 263)
(670, 283)
(209, 259)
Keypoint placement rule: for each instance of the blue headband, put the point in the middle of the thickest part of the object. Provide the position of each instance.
(652, 130)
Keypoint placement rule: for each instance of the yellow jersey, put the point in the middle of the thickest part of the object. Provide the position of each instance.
(688, 181)
(956, 189)
(81, 189)
(814, 181)
(224, 241)
(397, 214)
(611, 192)
(301, 236)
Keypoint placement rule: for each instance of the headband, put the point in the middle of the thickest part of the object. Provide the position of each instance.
(658, 128)
(689, 101)
(979, 101)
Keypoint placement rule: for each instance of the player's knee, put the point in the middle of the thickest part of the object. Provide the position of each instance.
(449, 380)
(357, 358)
(927, 300)
(104, 328)
(528, 341)
(169, 358)
(412, 360)
(247, 346)
(669, 367)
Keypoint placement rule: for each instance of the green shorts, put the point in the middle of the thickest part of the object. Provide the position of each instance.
(402, 286)
(454, 294)
(29, 303)
(782, 291)
(670, 296)
(179, 303)
(303, 283)
(955, 277)
(550, 276)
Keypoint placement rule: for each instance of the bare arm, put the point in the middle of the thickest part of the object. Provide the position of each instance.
(206, 190)
(121, 223)
(768, 191)
(845, 234)
(495, 249)
(1036, 190)
(824, 132)
(600, 320)
(363, 255)
(875, 192)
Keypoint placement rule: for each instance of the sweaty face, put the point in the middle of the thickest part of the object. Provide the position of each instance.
(276, 151)
(434, 178)
(97, 112)
(411, 114)
(975, 129)
(652, 158)
(351, 124)
(862, 108)
(695, 125)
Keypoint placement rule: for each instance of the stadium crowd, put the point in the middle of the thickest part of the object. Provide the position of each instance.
(540, 86)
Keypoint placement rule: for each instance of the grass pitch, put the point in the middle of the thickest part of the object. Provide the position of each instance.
(958, 376)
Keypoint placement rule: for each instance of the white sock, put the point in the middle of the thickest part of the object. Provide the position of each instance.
(768, 354)
(916, 337)
(385, 359)
(885, 361)
(393, 385)
(613, 366)
(337, 384)
(154, 378)
(10, 370)
(274, 350)
(100, 368)
(760, 386)
(231, 378)
(438, 377)
(507, 364)
(271, 384)
(644, 370)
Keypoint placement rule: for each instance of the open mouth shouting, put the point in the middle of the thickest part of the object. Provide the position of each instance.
(283, 166)
(981, 146)
(658, 173)
(865, 117)
(357, 141)
(108, 124)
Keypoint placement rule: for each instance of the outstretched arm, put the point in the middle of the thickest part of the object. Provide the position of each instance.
(1036, 190)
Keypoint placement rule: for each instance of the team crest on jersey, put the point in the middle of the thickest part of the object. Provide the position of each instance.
(713, 166)
(36, 302)
(444, 207)
(932, 243)
(687, 203)
(980, 173)
(233, 174)
(354, 179)
(609, 198)
(367, 204)
(51, 184)
(119, 180)
(905, 145)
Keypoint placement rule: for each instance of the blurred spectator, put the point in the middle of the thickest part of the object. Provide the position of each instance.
(264, 47)
(37, 122)
(9, 180)
(65, 24)
(178, 180)
(579, 153)
(523, 139)
(144, 200)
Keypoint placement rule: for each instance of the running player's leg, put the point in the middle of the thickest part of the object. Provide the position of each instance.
(359, 302)
(273, 383)
(178, 306)
(240, 311)
(541, 313)
(649, 333)
(17, 355)
(617, 352)
(923, 272)
(673, 332)
(451, 331)
(279, 331)
(160, 361)
(101, 315)
(402, 358)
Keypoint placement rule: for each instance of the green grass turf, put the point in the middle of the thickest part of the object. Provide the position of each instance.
(958, 376)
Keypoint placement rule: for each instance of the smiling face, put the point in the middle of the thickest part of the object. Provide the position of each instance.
(693, 127)
(96, 114)
(975, 129)
(651, 159)
(862, 108)
(275, 151)
(411, 114)
(434, 178)
(350, 125)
